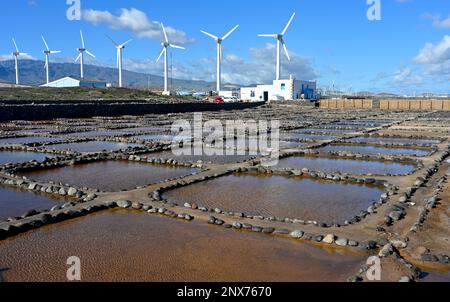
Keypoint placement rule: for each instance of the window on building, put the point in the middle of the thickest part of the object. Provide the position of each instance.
(283, 86)
(252, 94)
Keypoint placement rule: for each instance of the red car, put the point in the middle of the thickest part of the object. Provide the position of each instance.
(218, 100)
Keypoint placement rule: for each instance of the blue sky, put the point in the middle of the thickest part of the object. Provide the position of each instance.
(407, 51)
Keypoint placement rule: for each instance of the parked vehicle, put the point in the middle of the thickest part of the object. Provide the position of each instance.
(218, 99)
(231, 100)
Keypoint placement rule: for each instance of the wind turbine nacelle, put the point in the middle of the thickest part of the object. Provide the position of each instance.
(81, 49)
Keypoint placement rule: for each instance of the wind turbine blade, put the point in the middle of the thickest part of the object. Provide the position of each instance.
(15, 45)
(23, 54)
(45, 42)
(55, 52)
(286, 51)
(165, 33)
(114, 42)
(269, 36)
(209, 35)
(78, 58)
(176, 46)
(45, 65)
(91, 54)
(82, 39)
(162, 52)
(289, 24)
(230, 32)
(117, 57)
(126, 42)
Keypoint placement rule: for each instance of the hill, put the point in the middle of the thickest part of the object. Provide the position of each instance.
(32, 73)
(79, 94)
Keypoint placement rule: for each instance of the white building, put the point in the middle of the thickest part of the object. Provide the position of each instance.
(281, 90)
(75, 82)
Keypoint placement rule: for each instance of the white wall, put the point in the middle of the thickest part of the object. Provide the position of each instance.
(283, 90)
(287, 90)
(249, 94)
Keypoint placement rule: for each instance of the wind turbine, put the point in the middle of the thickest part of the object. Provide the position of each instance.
(166, 44)
(16, 55)
(80, 57)
(280, 42)
(119, 48)
(219, 54)
(47, 53)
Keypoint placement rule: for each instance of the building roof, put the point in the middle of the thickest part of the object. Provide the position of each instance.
(76, 79)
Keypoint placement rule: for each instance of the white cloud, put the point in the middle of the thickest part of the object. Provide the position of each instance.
(431, 53)
(438, 21)
(137, 22)
(9, 57)
(435, 57)
(406, 77)
(260, 68)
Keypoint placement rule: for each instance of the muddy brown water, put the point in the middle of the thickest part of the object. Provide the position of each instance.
(21, 157)
(126, 246)
(435, 276)
(14, 203)
(334, 165)
(279, 196)
(110, 176)
(95, 146)
(376, 150)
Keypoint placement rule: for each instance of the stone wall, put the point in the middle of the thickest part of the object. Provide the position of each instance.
(25, 111)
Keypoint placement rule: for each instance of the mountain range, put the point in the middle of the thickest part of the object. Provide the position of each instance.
(32, 73)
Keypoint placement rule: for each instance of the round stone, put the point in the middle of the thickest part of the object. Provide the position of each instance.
(297, 234)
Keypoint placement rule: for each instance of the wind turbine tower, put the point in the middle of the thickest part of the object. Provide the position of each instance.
(47, 53)
(280, 42)
(219, 54)
(166, 44)
(80, 57)
(120, 48)
(16, 55)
